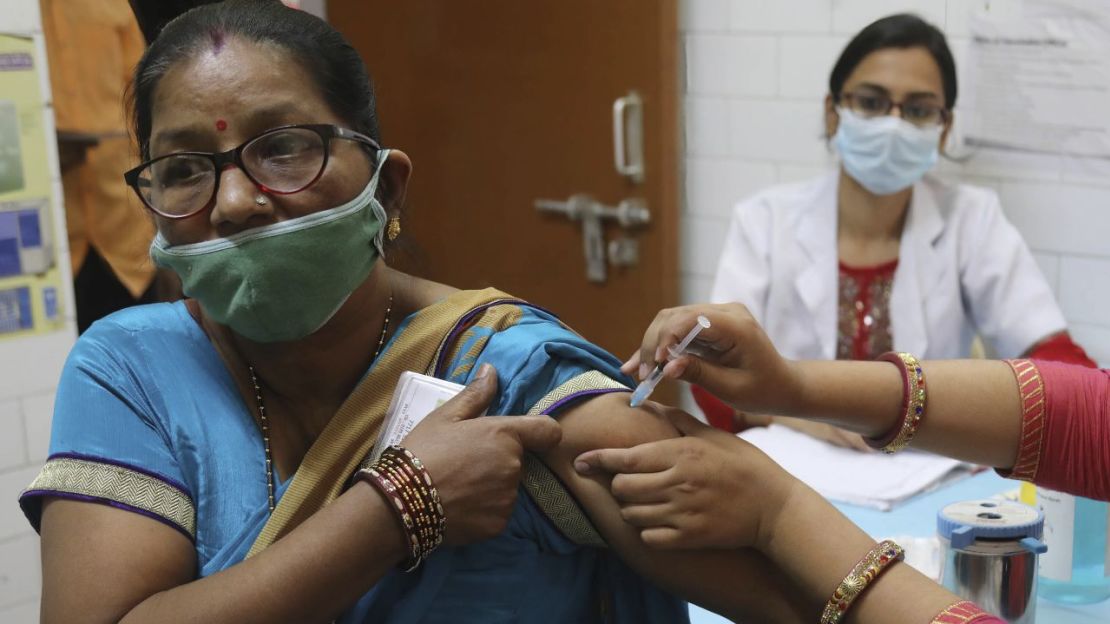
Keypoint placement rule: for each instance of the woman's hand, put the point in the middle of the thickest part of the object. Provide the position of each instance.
(475, 461)
(735, 360)
(705, 489)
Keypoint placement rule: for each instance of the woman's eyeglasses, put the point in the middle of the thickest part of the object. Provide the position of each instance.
(919, 111)
(280, 161)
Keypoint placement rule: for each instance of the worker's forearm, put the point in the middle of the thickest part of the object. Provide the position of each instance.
(973, 411)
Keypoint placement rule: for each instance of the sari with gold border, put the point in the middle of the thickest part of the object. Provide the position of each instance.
(148, 420)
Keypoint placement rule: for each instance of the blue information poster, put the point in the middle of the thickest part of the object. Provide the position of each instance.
(30, 279)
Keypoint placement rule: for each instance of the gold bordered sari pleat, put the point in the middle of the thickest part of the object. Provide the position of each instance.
(349, 436)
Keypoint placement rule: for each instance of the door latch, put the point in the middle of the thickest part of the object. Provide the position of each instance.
(624, 251)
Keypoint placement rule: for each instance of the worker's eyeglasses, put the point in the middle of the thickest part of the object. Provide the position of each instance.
(280, 161)
(922, 111)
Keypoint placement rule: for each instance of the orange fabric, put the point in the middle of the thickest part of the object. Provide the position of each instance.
(92, 48)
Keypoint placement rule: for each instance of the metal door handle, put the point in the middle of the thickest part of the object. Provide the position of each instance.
(628, 136)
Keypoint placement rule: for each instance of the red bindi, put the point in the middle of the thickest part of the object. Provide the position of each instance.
(221, 125)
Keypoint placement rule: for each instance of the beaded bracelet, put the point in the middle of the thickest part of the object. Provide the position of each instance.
(867, 570)
(405, 483)
(913, 404)
(418, 493)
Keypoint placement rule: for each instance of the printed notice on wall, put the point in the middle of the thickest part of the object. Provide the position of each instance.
(30, 282)
(1038, 85)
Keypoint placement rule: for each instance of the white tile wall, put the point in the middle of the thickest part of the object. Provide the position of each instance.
(743, 134)
(701, 243)
(29, 370)
(731, 65)
(780, 15)
(1095, 339)
(37, 410)
(849, 16)
(707, 126)
(1060, 217)
(25, 613)
(12, 482)
(20, 17)
(704, 16)
(13, 451)
(696, 287)
(787, 131)
(1085, 289)
(800, 76)
(714, 184)
(19, 576)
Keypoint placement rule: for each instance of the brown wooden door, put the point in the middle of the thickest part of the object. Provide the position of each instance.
(503, 102)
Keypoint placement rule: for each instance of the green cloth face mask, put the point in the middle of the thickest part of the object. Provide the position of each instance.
(282, 281)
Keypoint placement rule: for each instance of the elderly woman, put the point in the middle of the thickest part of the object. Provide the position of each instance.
(205, 458)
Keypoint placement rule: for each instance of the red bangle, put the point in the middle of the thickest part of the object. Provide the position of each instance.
(390, 492)
(913, 404)
(406, 485)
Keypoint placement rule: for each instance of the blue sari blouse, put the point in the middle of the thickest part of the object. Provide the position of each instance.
(148, 419)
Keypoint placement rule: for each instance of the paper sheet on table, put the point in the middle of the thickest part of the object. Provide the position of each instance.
(872, 480)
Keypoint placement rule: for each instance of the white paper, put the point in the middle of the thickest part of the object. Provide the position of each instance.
(414, 398)
(1059, 533)
(1037, 87)
(868, 479)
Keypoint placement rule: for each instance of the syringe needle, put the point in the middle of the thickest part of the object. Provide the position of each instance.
(647, 386)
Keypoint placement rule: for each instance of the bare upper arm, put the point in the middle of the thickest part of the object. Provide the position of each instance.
(741, 583)
(99, 562)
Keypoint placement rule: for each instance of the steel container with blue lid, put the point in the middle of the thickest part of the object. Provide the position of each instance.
(990, 555)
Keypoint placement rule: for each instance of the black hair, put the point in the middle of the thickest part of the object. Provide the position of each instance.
(897, 31)
(336, 67)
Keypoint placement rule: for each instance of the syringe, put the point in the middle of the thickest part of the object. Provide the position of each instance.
(647, 386)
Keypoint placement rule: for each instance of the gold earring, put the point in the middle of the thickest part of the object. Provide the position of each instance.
(393, 230)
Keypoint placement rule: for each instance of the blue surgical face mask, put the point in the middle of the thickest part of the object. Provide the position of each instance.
(885, 154)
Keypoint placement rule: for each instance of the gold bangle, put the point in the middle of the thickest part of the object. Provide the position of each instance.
(913, 404)
(862, 575)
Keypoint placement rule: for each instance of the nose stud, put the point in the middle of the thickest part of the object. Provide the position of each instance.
(260, 200)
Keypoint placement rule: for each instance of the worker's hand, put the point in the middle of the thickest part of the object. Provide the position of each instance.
(733, 359)
(705, 489)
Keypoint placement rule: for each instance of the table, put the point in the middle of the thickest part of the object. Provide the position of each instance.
(918, 517)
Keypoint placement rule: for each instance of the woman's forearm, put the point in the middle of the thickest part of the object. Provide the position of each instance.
(311, 575)
(973, 411)
(817, 547)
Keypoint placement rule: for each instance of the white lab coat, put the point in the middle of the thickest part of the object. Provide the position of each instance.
(963, 270)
